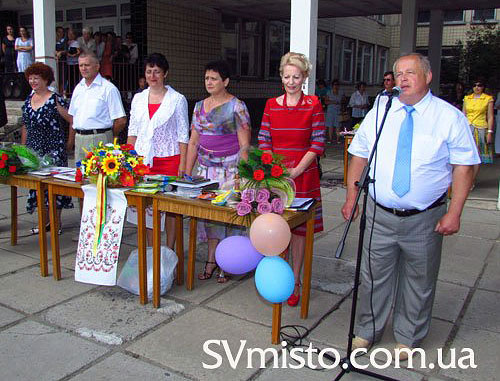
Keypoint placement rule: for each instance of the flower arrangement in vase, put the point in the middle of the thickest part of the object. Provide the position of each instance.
(265, 187)
(119, 164)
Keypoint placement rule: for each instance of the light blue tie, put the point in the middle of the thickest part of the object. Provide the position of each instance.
(401, 177)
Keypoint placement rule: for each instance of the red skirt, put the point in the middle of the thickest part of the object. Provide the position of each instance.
(306, 185)
(166, 165)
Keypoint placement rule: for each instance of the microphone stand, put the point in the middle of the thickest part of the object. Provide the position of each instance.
(362, 184)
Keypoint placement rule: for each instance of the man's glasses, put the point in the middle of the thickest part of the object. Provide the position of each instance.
(387, 79)
(478, 84)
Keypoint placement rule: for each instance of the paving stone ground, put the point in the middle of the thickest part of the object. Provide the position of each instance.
(72, 331)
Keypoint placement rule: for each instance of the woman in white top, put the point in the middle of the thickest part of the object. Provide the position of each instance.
(159, 130)
(24, 47)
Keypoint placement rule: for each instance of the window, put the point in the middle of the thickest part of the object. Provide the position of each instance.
(125, 10)
(323, 55)
(100, 12)
(379, 18)
(483, 15)
(382, 54)
(279, 44)
(424, 17)
(451, 17)
(364, 67)
(74, 14)
(59, 16)
(25, 20)
(344, 57)
(241, 42)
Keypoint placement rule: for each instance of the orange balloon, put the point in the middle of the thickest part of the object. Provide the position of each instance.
(270, 234)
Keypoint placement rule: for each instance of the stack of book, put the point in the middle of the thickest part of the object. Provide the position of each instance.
(193, 186)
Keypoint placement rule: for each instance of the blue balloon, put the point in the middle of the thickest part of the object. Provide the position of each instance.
(274, 279)
(236, 255)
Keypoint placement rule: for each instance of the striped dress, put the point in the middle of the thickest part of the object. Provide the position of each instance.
(292, 132)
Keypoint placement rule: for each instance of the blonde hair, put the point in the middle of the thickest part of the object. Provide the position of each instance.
(298, 60)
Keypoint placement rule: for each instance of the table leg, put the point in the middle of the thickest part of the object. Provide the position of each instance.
(42, 236)
(54, 237)
(156, 253)
(179, 248)
(141, 243)
(193, 226)
(275, 333)
(13, 215)
(308, 255)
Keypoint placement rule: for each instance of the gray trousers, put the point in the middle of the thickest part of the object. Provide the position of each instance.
(85, 141)
(404, 261)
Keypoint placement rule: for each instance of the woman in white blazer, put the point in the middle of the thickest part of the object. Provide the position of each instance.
(159, 131)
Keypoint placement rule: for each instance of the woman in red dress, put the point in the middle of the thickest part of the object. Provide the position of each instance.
(293, 125)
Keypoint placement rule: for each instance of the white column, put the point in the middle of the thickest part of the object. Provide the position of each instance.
(408, 33)
(435, 44)
(303, 35)
(44, 19)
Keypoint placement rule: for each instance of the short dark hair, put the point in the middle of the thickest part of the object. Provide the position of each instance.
(26, 29)
(221, 67)
(321, 82)
(362, 83)
(389, 72)
(157, 59)
(44, 71)
(335, 82)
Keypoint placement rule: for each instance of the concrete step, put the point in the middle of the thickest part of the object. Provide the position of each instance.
(14, 104)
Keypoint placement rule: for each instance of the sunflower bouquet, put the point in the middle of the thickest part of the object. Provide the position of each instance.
(120, 164)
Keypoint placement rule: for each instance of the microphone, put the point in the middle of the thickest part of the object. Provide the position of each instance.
(396, 91)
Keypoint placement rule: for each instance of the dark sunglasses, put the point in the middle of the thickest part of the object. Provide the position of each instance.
(479, 84)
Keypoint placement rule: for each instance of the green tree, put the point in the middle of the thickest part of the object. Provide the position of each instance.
(480, 55)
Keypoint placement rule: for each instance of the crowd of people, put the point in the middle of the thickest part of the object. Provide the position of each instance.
(116, 56)
(433, 145)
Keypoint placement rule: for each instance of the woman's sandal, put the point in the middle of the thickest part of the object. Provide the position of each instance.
(221, 277)
(35, 231)
(293, 300)
(207, 275)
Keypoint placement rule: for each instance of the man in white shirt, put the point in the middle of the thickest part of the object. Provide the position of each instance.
(407, 204)
(87, 43)
(359, 103)
(96, 107)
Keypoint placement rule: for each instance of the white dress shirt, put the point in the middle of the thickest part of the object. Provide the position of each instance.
(159, 136)
(95, 106)
(441, 137)
(356, 101)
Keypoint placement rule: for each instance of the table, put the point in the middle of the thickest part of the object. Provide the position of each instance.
(347, 143)
(201, 209)
(74, 189)
(36, 183)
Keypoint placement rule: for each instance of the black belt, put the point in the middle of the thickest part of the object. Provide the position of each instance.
(93, 131)
(411, 212)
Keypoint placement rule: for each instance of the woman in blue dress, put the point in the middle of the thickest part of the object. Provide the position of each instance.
(42, 131)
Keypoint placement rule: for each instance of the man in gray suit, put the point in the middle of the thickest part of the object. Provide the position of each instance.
(425, 146)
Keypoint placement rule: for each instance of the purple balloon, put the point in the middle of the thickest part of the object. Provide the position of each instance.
(236, 255)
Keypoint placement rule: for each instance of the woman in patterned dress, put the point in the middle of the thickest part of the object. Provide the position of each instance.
(159, 130)
(220, 136)
(42, 130)
(293, 125)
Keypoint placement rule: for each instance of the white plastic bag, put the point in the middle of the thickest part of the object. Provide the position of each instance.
(129, 277)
